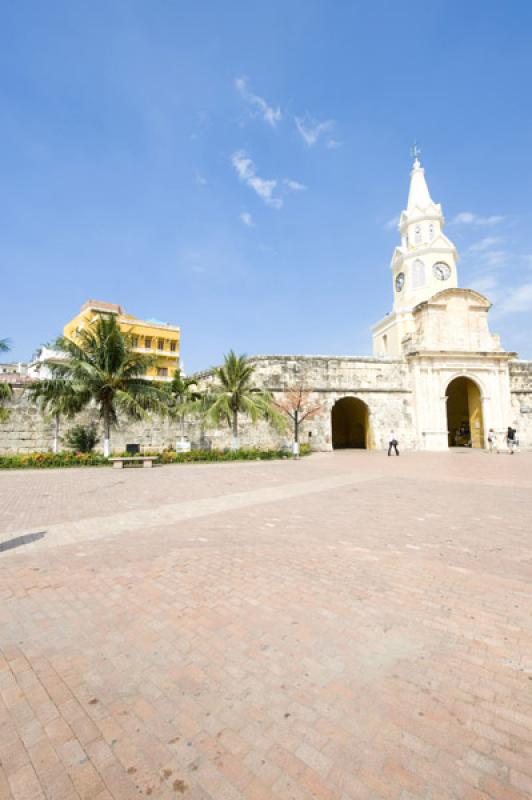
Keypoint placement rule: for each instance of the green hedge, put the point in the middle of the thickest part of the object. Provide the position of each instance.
(46, 460)
(65, 459)
(196, 456)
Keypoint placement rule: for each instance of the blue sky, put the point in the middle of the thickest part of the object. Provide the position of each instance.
(233, 167)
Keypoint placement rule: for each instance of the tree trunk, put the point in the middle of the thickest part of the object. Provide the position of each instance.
(56, 434)
(295, 448)
(106, 433)
(234, 440)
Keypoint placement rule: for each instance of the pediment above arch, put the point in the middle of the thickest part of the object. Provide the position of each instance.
(454, 319)
(470, 297)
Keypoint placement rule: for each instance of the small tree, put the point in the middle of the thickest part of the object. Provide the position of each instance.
(82, 438)
(183, 399)
(234, 394)
(4, 345)
(58, 397)
(296, 404)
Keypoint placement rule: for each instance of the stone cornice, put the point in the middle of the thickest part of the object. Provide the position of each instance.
(347, 389)
(284, 359)
(421, 252)
(469, 355)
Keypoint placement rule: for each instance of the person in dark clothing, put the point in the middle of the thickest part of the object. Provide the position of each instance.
(392, 443)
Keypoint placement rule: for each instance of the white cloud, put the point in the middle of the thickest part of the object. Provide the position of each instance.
(486, 260)
(495, 258)
(311, 130)
(392, 224)
(484, 244)
(270, 115)
(200, 180)
(247, 219)
(245, 169)
(469, 218)
(484, 283)
(295, 186)
(332, 144)
(516, 300)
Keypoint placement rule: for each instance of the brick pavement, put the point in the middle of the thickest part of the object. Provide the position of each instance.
(347, 626)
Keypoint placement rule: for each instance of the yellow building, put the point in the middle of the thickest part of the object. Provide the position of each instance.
(159, 339)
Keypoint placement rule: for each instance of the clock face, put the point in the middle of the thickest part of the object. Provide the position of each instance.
(400, 281)
(441, 270)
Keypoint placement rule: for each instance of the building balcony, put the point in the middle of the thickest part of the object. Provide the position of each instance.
(161, 378)
(151, 351)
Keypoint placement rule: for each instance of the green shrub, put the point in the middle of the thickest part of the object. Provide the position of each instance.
(46, 460)
(79, 459)
(82, 438)
(251, 454)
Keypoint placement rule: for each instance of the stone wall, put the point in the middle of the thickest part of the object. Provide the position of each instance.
(27, 430)
(385, 385)
(382, 384)
(521, 396)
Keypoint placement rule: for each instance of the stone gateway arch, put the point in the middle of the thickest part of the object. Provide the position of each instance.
(350, 424)
(465, 424)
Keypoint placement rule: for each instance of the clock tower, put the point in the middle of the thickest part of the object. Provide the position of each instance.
(423, 264)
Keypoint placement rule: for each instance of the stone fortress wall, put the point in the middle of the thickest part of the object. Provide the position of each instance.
(384, 385)
(521, 399)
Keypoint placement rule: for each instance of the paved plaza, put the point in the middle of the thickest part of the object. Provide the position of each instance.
(345, 627)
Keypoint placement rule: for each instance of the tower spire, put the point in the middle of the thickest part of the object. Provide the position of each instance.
(415, 152)
(418, 195)
(423, 264)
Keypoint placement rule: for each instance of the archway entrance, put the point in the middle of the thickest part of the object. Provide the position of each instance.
(349, 420)
(464, 414)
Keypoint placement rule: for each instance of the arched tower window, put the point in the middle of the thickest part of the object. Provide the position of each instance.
(417, 234)
(418, 274)
(431, 232)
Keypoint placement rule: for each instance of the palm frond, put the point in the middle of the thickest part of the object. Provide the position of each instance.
(101, 366)
(58, 396)
(234, 393)
(6, 392)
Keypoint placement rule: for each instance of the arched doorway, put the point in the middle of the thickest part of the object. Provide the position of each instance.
(464, 414)
(350, 424)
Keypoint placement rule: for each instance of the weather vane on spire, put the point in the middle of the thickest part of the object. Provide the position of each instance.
(415, 151)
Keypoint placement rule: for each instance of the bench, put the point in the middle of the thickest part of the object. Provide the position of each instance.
(147, 461)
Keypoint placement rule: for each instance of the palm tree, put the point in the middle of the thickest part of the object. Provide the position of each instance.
(5, 394)
(103, 368)
(5, 388)
(234, 394)
(183, 399)
(58, 397)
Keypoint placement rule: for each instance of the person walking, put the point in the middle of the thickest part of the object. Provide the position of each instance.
(492, 441)
(511, 439)
(392, 442)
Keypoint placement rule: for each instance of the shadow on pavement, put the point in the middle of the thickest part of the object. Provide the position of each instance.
(18, 541)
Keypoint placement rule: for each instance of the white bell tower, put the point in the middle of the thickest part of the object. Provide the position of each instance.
(422, 265)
